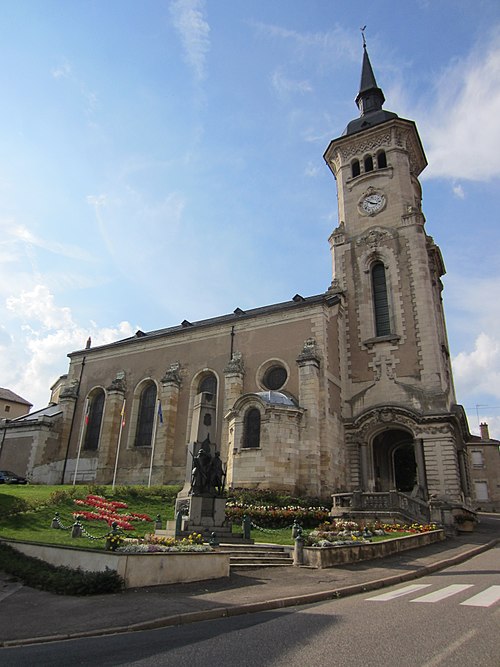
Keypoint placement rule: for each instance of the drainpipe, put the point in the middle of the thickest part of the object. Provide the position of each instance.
(4, 434)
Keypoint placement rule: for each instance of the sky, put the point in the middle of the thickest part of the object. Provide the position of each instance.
(162, 160)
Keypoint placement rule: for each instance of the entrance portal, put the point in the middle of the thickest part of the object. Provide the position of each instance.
(394, 461)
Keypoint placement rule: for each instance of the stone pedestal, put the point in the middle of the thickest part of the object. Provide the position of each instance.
(204, 514)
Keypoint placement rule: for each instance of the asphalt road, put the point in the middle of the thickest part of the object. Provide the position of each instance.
(451, 619)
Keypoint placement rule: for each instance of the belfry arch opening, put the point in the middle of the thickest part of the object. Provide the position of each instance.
(395, 461)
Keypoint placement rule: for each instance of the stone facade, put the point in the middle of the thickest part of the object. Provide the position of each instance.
(348, 390)
(484, 457)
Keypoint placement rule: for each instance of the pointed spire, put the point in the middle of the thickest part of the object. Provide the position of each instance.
(370, 96)
(369, 99)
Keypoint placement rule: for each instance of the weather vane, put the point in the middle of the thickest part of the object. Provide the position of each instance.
(363, 35)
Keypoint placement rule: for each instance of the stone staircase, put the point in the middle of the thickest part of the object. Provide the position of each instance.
(252, 556)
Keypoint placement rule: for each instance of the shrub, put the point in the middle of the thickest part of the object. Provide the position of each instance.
(62, 496)
(63, 580)
(273, 498)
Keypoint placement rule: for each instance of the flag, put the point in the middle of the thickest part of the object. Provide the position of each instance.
(122, 413)
(87, 412)
(160, 413)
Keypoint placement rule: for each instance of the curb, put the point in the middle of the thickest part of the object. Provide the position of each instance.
(255, 607)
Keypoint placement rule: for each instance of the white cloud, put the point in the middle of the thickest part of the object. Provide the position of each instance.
(478, 371)
(188, 19)
(146, 219)
(325, 45)
(40, 335)
(485, 414)
(312, 169)
(462, 132)
(63, 71)
(458, 191)
(284, 86)
(22, 234)
(38, 306)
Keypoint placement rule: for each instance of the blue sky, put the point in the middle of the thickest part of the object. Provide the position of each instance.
(162, 160)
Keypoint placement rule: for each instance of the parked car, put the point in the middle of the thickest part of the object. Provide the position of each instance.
(8, 477)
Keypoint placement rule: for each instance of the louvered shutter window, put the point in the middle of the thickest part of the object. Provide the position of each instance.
(380, 301)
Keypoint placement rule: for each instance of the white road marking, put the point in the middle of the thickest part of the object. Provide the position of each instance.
(399, 593)
(487, 598)
(11, 589)
(443, 593)
(451, 648)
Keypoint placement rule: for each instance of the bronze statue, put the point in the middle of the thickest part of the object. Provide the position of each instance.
(207, 474)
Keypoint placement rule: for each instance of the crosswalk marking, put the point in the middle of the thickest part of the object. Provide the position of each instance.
(443, 593)
(484, 599)
(399, 593)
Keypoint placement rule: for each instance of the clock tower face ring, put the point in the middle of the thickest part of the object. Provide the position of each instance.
(372, 203)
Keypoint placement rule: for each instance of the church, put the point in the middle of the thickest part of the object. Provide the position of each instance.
(346, 393)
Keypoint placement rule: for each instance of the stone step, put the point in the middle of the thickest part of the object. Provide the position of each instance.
(248, 556)
(252, 548)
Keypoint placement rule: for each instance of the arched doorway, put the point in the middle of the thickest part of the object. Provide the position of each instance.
(405, 468)
(394, 461)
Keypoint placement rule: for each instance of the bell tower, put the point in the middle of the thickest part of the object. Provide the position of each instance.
(383, 261)
(388, 271)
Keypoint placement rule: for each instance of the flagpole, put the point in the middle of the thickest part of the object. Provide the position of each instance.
(122, 421)
(153, 441)
(82, 430)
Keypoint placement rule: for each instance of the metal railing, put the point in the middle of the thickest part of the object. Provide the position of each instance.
(384, 501)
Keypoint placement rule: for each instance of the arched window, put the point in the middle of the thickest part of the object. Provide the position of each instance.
(251, 433)
(380, 300)
(368, 163)
(94, 419)
(145, 417)
(355, 168)
(381, 160)
(208, 385)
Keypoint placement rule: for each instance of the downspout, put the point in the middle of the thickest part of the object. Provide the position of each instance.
(72, 423)
(4, 434)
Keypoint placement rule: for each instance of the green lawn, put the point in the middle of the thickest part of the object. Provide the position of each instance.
(26, 512)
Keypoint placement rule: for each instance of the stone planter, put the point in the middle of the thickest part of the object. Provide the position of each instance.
(322, 557)
(136, 570)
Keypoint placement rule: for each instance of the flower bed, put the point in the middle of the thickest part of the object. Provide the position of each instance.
(268, 516)
(340, 532)
(159, 544)
(332, 555)
(108, 511)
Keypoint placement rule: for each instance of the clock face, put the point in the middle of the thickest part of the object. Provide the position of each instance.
(373, 203)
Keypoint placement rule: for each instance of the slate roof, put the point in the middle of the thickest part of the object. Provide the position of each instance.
(50, 411)
(238, 315)
(8, 395)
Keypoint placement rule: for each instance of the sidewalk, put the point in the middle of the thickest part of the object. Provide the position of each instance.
(29, 616)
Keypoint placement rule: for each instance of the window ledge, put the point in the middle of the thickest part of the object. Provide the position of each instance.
(390, 338)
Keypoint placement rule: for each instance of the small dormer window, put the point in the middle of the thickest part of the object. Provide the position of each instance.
(368, 163)
(355, 168)
(381, 160)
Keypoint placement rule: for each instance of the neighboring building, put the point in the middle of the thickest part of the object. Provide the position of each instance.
(349, 390)
(484, 457)
(12, 405)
